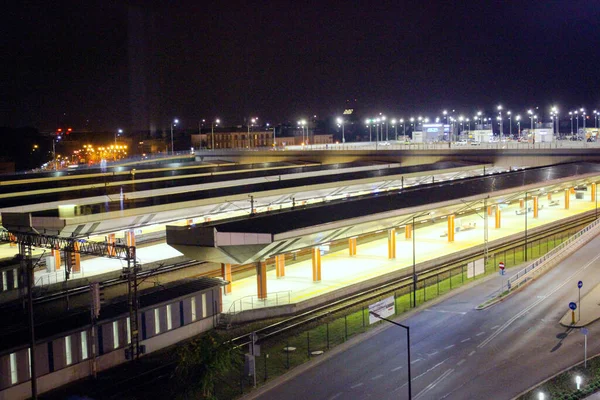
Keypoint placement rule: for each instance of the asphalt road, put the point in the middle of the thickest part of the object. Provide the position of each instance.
(461, 353)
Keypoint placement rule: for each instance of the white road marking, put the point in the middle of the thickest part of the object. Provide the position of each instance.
(396, 369)
(335, 396)
(527, 309)
(357, 385)
(448, 347)
(465, 340)
(447, 311)
(480, 333)
(434, 383)
(471, 353)
(417, 377)
(432, 354)
(417, 360)
(495, 327)
(376, 377)
(461, 362)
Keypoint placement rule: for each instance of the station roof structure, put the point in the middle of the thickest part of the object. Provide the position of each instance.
(259, 237)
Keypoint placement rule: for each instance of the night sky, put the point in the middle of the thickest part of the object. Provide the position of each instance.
(134, 64)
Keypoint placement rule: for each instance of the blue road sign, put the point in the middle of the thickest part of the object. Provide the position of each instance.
(584, 331)
(573, 306)
(579, 284)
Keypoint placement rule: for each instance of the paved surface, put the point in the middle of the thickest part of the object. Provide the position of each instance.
(461, 353)
(588, 309)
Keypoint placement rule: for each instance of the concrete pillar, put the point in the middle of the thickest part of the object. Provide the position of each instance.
(261, 279)
(521, 203)
(498, 218)
(549, 196)
(57, 260)
(535, 206)
(572, 190)
(408, 231)
(75, 258)
(130, 238)
(111, 244)
(489, 210)
(451, 228)
(280, 265)
(567, 199)
(593, 198)
(392, 243)
(226, 274)
(316, 264)
(352, 246)
(13, 240)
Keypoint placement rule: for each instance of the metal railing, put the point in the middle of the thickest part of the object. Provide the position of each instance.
(252, 302)
(526, 273)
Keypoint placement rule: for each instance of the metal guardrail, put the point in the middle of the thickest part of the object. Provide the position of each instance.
(252, 302)
(523, 275)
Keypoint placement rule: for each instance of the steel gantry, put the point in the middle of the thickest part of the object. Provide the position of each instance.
(28, 240)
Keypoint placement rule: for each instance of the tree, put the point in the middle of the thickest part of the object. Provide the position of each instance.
(202, 361)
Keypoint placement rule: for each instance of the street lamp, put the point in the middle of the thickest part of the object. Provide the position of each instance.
(509, 124)
(395, 128)
(583, 117)
(174, 123)
(117, 133)
(501, 126)
(479, 114)
(518, 118)
(407, 347)
(445, 112)
(403, 128)
(368, 123)
(571, 116)
(341, 122)
(302, 123)
(576, 121)
(212, 131)
(555, 111)
(386, 128)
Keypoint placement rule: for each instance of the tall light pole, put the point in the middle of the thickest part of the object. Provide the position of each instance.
(117, 133)
(403, 128)
(212, 131)
(530, 112)
(395, 128)
(480, 115)
(302, 123)
(583, 117)
(501, 125)
(383, 119)
(518, 118)
(509, 124)
(555, 111)
(341, 122)
(174, 123)
(576, 121)
(445, 113)
(368, 123)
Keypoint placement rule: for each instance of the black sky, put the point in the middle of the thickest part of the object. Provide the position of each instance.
(99, 64)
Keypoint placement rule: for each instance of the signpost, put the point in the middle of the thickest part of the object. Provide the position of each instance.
(381, 309)
(585, 333)
(573, 307)
(501, 266)
(579, 286)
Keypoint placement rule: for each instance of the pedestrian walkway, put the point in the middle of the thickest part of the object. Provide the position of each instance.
(588, 310)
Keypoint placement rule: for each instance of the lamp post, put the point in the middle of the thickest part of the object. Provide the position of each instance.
(555, 111)
(174, 123)
(518, 118)
(302, 123)
(407, 347)
(571, 116)
(341, 122)
(395, 128)
(501, 125)
(576, 121)
(530, 112)
(250, 123)
(368, 123)
(445, 112)
(403, 128)
(212, 131)
(509, 124)
(583, 117)
(386, 128)
(117, 133)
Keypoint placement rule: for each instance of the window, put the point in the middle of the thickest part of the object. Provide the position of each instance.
(115, 326)
(14, 377)
(204, 305)
(84, 345)
(156, 321)
(193, 303)
(169, 316)
(128, 330)
(68, 355)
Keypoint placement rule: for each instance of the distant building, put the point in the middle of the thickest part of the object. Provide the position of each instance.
(232, 140)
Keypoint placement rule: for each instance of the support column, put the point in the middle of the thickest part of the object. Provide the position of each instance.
(451, 228)
(352, 246)
(408, 231)
(535, 207)
(392, 243)
(498, 218)
(572, 190)
(489, 210)
(316, 264)
(593, 198)
(567, 198)
(75, 258)
(111, 244)
(130, 238)
(261, 279)
(280, 265)
(549, 196)
(57, 260)
(521, 203)
(13, 240)
(226, 274)
(189, 222)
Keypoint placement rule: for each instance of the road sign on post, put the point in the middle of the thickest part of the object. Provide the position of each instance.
(501, 266)
(573, 307)
(383, 308)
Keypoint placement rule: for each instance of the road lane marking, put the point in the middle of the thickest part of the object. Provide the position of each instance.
(495, 327)
(461, 362)
(376, 377)
(417, 377)
(335, 396)
(527, 309)
(448, 347)
(396, 369)
(357, 385)
(417, 360)
(480, 333)
(471, 353)
(434, 383)
(432, 354)
(446, 311)
(465, 340)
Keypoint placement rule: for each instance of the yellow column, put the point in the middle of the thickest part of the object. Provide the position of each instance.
(76, 258)
(549, 196)
(489, 210)
(280, 265)
(261, 279)
(451, 228)
(593, 198)
(408, 231)
(352, 246)
(521, 203)
(226, 274)
(111, 245)
(535, 206)
(572, 190)
(13, 240)
(567, 199)
(392, 243)
(498, 218)
(189, 222)
(316, 264)
(130, 238)
(56, 254)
